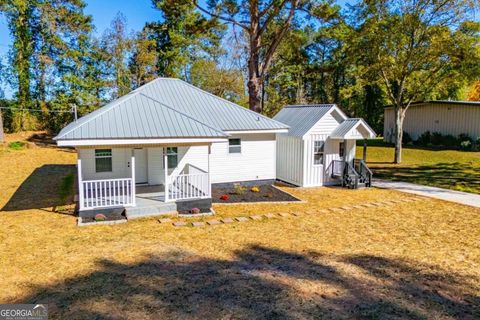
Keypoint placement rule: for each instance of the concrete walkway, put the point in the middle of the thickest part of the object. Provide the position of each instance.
(469, 199)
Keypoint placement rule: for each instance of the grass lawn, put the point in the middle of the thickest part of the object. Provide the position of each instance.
(457, 170)
(412, 260)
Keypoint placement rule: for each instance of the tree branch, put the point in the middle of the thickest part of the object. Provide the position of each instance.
(226, 19)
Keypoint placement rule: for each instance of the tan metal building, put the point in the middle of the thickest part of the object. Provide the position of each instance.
(446, 117)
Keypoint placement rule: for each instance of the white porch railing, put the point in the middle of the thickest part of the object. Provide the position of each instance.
(107, 193)
(189, 186)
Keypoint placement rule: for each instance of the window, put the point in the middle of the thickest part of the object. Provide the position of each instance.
(318, 152)
(341, 149)
(103, 160)
(172, 157)
(234, 146)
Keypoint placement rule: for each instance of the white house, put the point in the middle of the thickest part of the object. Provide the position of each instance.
(164, 144)
(319, 148)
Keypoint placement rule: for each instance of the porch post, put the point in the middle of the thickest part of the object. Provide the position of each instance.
(165, 165)
(208, 169)
(80, 185)
(365, 150)
(132, 161)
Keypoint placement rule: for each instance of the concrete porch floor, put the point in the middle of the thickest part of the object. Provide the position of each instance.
(150, 200)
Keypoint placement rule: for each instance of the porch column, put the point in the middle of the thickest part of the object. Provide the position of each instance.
(165, 166)
(80, 185)
(365, 150)
(208, 169)
(132, 161)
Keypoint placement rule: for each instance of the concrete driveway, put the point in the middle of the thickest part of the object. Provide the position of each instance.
(469, 199)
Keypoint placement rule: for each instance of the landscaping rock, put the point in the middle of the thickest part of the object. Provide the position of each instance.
(165, 220)
(241, 219)
(179, 224)
(346, 208)
(213, 222)
(226, 220)
(256, 217)
(284, 214)
(298, 214)
(269, 215)
(198, 224)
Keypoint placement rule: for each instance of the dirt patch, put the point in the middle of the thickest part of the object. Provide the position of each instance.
(266, 193)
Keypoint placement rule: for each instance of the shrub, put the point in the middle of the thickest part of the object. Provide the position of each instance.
(424, 139)
(239, 189)
(255, 189)
(465, 145)
(194, 210)
(100, 217)
(464, 137)
(450, 141)
(269, 195)
(224, 197)
(16, 145)
(406, 138)
(436, 139)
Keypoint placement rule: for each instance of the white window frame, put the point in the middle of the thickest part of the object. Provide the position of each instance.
(319, 150)
(103, 157)
(235, 146)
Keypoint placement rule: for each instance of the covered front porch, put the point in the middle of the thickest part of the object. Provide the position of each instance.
(142, 176)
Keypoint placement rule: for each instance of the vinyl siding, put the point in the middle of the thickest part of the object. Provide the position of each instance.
(256, 162)
(446, 119)
(290, 159)
(120, 160)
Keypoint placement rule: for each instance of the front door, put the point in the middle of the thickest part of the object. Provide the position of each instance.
(341, 151)
(140, 165)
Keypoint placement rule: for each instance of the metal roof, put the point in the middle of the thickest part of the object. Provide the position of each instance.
(348, 125)
(167, 107)
(137, 116)
(301, 118)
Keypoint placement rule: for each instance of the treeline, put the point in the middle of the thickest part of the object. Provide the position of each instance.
(260, 54)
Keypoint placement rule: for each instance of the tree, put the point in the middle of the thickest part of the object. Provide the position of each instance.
(19, 14)
(257, 18)
(412, 49)
(183, 36)
(143, 62)
(118, 44)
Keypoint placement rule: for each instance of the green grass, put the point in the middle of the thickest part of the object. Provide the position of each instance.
(16, 145)
(451, 169)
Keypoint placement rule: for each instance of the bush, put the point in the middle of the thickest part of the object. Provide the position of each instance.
(255, 189)
(224, 197)
(239, 189)
(450, 141)
(436, 139)
(406, 138)
(100, 217)
(464, 137)
(465, 145)
(195, 211)
(17, 145)
(424, 139)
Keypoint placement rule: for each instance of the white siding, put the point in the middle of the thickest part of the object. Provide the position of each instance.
(120, 160)
(155, 166)
(290, 159)
(443, 118)
(256, 162)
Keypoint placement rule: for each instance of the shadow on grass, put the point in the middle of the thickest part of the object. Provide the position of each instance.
(41, 189)
(458, 176)
(261, 283)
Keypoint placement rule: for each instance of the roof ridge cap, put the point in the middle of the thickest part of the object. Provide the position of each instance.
(232, 103)
(184, 114)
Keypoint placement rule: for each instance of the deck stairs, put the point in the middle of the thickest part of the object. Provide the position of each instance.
(352, 175)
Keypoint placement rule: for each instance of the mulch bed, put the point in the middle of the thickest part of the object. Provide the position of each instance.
(111, 215)
(267, 193)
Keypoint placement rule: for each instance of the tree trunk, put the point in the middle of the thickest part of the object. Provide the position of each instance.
(255, 93)
(2, 136)
(398, 131)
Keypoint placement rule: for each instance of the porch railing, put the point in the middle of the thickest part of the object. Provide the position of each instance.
(189, 186)
(106, 193)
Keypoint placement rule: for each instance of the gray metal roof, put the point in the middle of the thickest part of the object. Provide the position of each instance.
(301, 118)
(137, 116)
(167, 107)
(344, 128)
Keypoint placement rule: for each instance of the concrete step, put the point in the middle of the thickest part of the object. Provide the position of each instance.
(150, 209)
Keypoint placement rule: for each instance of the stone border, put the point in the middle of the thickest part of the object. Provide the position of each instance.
(267, 216)
(80, 223)
(196, 215)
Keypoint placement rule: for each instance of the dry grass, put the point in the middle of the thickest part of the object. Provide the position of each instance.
(412, 260)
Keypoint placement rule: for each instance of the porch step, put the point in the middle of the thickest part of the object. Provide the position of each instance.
(146, 209)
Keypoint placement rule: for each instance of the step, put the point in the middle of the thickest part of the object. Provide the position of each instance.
(151, 209)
